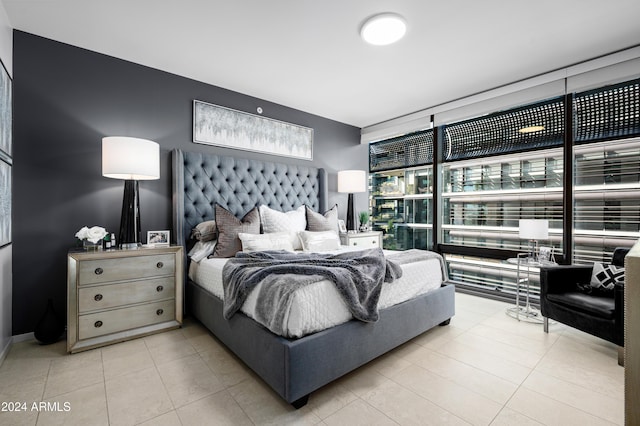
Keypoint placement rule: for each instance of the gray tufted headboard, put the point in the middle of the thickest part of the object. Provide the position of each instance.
(237, 184)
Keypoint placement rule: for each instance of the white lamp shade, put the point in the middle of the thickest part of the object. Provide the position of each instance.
(534, 229)
(130, 158)
(352, 181)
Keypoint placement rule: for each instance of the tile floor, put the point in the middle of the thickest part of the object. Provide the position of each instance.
(485, 368)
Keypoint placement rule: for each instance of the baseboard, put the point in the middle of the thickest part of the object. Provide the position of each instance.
(14, 339)
(23, 337)
(5, 351)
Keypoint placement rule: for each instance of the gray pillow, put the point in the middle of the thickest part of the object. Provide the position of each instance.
(230, 226)
(328, 221)
(205, 231)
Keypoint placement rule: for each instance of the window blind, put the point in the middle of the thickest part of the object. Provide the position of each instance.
(502, 132)
(414, 149)
(610, 112)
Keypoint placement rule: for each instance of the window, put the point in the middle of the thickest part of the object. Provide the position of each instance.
(402, 199)
(509, 165)
(495, 173)
(606, 171)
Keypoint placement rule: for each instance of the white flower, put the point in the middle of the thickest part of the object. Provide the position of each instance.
(93, 234)
(82, 233)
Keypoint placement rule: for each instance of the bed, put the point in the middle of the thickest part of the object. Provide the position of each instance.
(292, 367)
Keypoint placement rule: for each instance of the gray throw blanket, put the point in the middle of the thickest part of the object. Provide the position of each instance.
(358, 276)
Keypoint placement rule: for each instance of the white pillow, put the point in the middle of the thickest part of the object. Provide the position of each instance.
(201, 250)
(319, 241)
(292, 222)
(262, 242)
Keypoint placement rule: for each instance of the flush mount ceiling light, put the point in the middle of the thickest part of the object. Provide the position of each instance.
(383, 29)
(531, 129)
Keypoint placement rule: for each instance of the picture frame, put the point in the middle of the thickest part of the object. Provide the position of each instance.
(545, 254)
(226, 127)
(158, 238)
(6, 113)
(342, 227)
(5, 202)
(6, 160)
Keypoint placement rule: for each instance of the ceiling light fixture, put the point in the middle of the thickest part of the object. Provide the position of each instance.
(531, 129)
(383, 29)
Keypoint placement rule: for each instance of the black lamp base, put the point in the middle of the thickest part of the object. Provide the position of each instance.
(351, 214)
(129, 235)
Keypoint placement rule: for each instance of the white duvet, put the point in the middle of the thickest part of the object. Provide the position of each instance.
(319, 306)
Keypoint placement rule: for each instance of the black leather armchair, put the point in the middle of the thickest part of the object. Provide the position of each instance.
(599, 314)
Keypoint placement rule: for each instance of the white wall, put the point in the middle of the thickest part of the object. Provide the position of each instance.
(6, 54)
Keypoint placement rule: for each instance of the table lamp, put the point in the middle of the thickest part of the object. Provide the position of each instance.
(351, 181)
(131, 159)
(533, 230)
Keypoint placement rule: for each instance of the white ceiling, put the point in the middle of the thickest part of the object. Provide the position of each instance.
(307, 54)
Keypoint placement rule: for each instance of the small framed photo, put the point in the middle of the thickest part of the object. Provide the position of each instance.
(545, 254)
(342, 227)
(158, 238)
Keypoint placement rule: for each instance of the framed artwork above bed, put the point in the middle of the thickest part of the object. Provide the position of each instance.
(217, 125)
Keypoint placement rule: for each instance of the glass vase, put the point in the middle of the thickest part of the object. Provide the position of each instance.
(89, 246)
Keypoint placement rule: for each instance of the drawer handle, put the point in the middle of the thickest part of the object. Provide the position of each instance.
(159, 312)
(159, 265)
(97, 324)
(97, 297)
(99, 271)
(159, 288)
(355, 243)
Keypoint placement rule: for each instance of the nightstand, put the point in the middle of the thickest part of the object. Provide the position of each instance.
(117, 295)
(362, 239)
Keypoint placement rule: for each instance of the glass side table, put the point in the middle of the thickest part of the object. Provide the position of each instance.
(525, 267)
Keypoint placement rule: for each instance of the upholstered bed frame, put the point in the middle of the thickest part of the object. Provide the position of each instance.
(293, 368)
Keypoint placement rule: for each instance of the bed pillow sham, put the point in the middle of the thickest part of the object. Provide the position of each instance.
(327, 221)
(262, 242)
(205, 231)
(319, 241)
(201, 250)
(292, 222)
(229, 227)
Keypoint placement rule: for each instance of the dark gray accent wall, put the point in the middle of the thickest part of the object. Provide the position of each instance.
(65, 100)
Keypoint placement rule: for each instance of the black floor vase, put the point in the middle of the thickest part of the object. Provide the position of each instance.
(50, 327)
